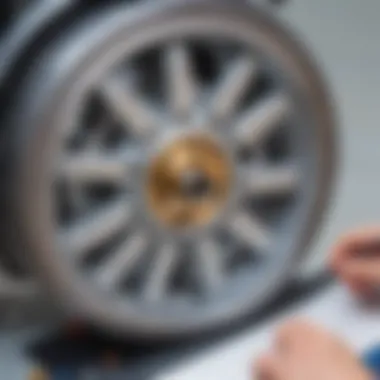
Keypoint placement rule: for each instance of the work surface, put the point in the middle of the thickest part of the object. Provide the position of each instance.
(333, 308)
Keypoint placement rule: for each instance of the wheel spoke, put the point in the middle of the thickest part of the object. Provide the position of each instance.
(250, 230)
(278, 180)
(96, 229)
(127, 106)
(259, 122)
(182, 86)
(210, 264)
(232, 87)
(94, 167)
(120, 262)
(162, 268)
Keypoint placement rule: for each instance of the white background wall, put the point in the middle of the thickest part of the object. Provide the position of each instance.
(344, 36)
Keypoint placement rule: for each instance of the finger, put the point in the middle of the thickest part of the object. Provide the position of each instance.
(266, 368)
(352, 258)
(358, 288)
(366, 272)
(353, 242)
(363, 270)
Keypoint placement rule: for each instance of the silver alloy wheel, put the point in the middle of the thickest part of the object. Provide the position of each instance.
(180, 158)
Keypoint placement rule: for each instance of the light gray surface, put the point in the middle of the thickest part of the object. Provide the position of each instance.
(343, 36)
(334, 308)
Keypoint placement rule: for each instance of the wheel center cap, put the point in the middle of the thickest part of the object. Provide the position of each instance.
(188, 181)
(195, 184)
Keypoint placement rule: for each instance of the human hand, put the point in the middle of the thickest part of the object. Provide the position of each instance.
(356, 260)
(302, 351)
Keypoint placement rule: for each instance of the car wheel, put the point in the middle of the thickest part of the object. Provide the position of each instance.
(170, 162)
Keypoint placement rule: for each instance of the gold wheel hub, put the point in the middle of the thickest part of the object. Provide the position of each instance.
(188, 182)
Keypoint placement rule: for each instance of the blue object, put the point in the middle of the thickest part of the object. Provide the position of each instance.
(371, 359)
